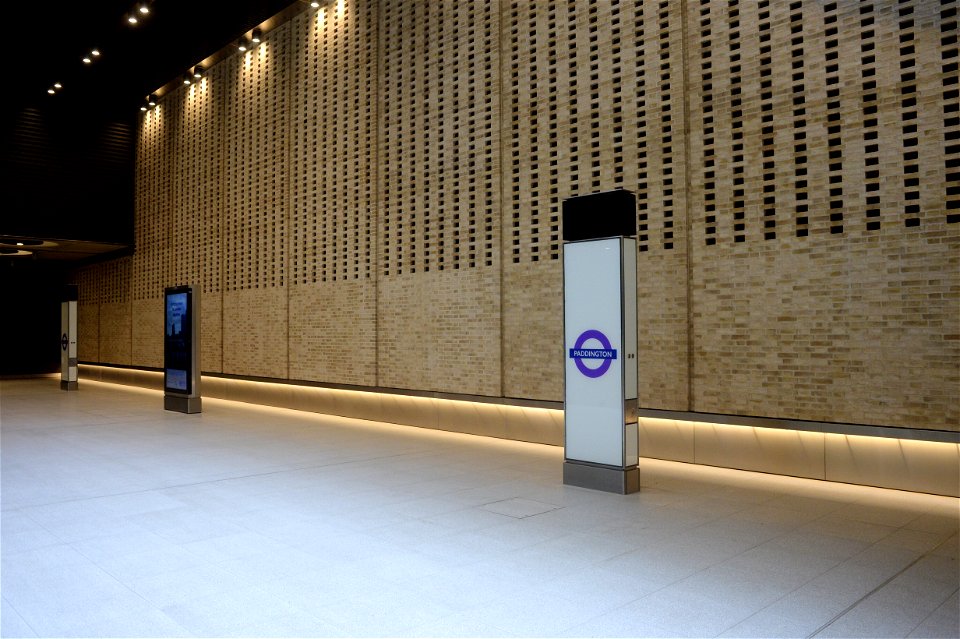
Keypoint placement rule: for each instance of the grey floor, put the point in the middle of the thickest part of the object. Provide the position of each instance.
(120, 519)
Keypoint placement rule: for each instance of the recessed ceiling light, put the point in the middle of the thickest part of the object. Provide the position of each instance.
(144, 8)
(57, 85)
(95, 53)
(51, 91)
(255, 38)
(132, 19)
(87, 60)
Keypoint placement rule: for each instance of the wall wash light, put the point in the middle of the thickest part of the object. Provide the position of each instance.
(197, 71)
(255, 38)
(243, 45)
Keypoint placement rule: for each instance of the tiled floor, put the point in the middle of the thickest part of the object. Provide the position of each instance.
(120, 519)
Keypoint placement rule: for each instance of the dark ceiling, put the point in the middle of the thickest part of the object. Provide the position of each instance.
(51, 38)
(67, 159)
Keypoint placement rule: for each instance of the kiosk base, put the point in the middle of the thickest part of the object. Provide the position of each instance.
(181, 404)
(65, 385)
(610, 479)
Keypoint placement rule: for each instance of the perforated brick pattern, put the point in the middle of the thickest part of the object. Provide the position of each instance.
(389, 176)
(256, 207)
(333, 171)
(439, 143)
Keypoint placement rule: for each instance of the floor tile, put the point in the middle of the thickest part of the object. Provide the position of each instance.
(519, 508)
(12, 624)
(120, 519)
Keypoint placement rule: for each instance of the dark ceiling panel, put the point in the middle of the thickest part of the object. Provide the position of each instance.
(67, 159)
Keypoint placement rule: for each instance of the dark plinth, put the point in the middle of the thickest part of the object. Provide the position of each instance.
(609, 479)
(600, 215)
(181, 404)
(65, 385)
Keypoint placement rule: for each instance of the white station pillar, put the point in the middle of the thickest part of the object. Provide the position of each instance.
(600, 342)
(68, 338)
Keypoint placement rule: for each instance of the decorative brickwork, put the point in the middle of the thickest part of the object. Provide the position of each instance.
(372, 197)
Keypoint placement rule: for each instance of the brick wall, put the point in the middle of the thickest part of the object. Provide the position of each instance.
(372, 197)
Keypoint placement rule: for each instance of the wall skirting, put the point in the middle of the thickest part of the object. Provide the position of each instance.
(870, 456)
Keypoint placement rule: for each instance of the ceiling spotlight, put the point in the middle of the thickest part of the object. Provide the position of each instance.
(144, 8)
(243, 45)
(315, 4)
(255, 38)
(143, 107)
(95, 53)
(57, 85)
(87, 60)
(132, 19)
(51, 91)
(187, 79)
(198, 71)
(152, 100)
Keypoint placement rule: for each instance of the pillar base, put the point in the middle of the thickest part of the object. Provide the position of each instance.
(180, 404)
(65, 385)
(609, 479)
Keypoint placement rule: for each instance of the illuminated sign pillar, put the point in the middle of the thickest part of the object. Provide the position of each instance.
(600, 342)
(181, 349)
(68, 338)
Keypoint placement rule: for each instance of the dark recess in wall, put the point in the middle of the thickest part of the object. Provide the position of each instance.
(30, 323)
(68, 175)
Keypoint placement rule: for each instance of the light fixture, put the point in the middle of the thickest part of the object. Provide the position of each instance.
(144, 8)
(51, 91)
(132, 19)
(95, 53)
(57, 85)
(243, 45)
(315, 4)
(255, 38)
(152, 100)
(187, 78)
(198, 71)
(87, 60)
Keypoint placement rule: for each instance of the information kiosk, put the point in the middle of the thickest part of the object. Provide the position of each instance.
(600, 342)
(181, 348)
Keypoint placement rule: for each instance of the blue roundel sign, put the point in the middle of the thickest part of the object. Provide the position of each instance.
(606, 354)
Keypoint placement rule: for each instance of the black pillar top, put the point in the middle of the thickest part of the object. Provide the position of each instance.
(599, 215)
(70, 293)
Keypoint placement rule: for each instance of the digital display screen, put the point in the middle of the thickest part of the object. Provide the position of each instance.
(177, 346)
